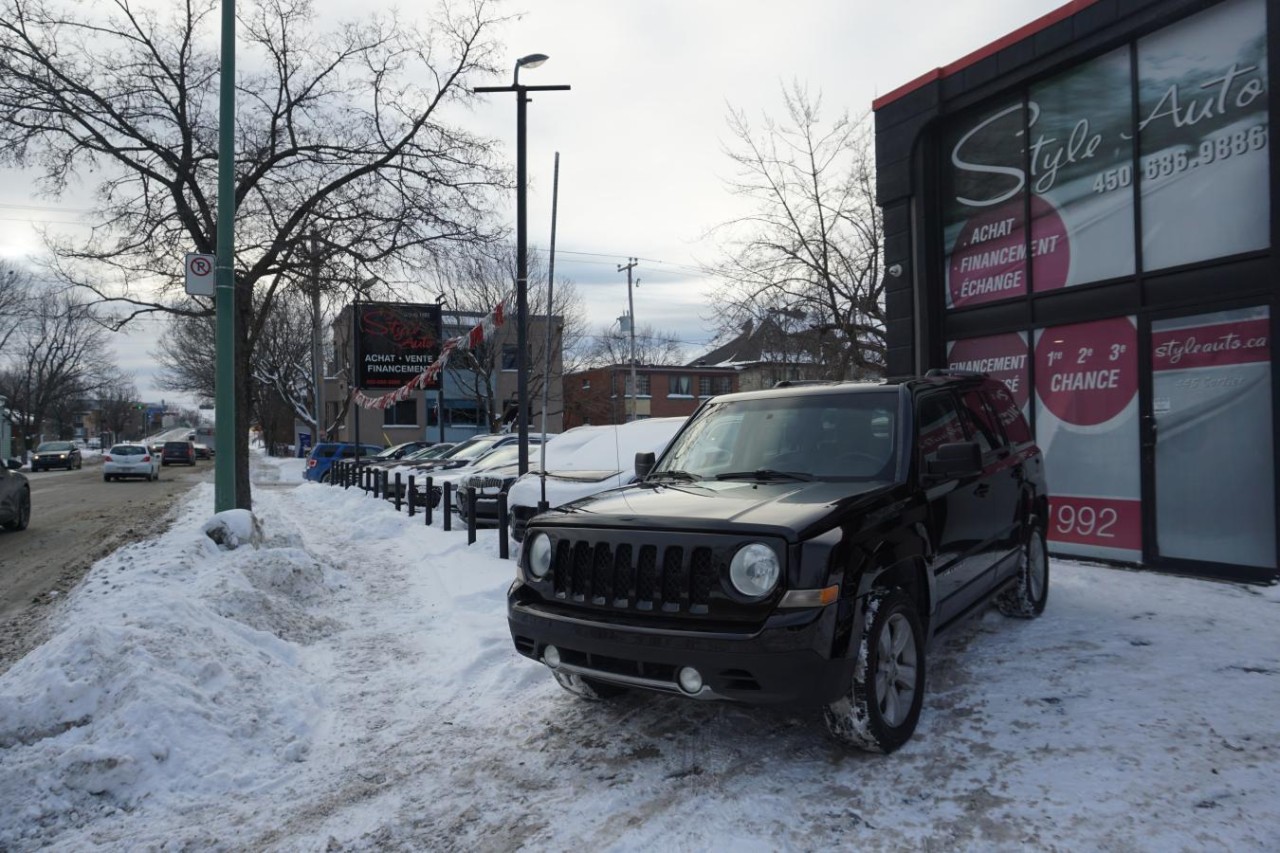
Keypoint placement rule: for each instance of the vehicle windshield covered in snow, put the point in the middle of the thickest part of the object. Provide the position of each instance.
(830, 437)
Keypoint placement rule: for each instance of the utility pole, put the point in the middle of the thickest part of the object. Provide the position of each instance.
(317, 349)
(631, 323)
(224, 482)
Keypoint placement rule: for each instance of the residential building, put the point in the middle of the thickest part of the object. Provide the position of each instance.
(602, 395)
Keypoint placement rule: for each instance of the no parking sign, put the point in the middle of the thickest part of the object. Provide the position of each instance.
(200, 274)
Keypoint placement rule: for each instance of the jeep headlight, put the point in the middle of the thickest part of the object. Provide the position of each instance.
(754, 570)
(540, 555)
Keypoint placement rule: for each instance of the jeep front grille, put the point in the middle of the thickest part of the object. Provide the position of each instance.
(666, 578)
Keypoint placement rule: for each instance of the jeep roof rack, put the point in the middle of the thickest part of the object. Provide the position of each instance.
(796, 383)
(947, 371)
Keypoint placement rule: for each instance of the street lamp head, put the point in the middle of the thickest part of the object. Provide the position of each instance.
(533, 60)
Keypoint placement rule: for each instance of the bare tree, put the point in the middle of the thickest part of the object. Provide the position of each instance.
(813, 241)
(56, 359)
(612, 346)
(339, 133)
(481, 279)
(15, 300)
(118, 407)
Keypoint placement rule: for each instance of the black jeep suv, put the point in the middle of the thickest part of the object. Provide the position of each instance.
(801, 545)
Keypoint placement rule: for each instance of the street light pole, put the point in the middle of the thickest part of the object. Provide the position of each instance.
(533, 60)
(317, 347)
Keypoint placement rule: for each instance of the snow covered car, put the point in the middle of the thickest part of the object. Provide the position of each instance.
(481, 490)
(605, 460)
(130, 460)
(797, 546)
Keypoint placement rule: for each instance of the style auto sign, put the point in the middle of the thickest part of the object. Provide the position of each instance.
(395, 342)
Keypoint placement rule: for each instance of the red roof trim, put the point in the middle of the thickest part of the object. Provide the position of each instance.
(981, 53)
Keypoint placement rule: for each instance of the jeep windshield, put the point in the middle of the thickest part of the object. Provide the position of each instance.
(838, 436)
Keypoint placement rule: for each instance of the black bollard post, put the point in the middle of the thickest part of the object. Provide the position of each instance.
(430, 504)
(467, 504)
(504, 547)
(399, 492)
(446, 505)
(412, 496)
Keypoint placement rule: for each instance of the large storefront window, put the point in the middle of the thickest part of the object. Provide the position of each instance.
(1087, 426)
(1203, 133)
(1082, 174)
(1214, 463)
(984, 207)
(1061, 154)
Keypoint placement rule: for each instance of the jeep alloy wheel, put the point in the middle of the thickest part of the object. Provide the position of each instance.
(880, 711)
(1027, 596)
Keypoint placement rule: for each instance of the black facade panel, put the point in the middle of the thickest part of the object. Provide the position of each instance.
(989, 320)
(898, 303)
(1195, 286)
(899, 328)
(980, 73)
(895, 143)
(899, 362)
(1079, 304)
(893, 182)
(923, 99)
(1095, 17)
(1053, 38)
(897, 219)
(1015, 56)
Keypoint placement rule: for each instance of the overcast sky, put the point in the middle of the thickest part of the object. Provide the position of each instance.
(640, 134)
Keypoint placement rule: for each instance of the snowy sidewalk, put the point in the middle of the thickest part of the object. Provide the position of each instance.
(351, 685)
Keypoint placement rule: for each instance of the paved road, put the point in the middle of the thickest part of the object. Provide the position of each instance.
(76, 519)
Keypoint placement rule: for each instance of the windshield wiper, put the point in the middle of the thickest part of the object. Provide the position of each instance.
(673, 474)
(764, 474)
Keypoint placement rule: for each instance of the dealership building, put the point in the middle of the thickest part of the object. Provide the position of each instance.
(1083, 209)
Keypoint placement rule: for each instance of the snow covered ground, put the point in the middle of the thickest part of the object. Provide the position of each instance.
(350, 685)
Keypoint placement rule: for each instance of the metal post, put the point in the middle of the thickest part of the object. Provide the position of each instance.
(317, 359)
(355, 369)
(546, 376)
(446, 505)
(522, 272)
(522, 288)
(504, 547)
(412, 496)
(399, 491)
(427, 510)
(224, 486)
(467, 504)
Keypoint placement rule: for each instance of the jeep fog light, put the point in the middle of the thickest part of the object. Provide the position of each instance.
(754, 570)
(690, 680)
(551, 656)
(540, 555)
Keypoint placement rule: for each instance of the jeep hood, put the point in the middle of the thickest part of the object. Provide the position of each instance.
(784, 508)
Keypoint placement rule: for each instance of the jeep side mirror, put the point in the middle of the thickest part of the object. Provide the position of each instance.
(644, 464)
(957, 459)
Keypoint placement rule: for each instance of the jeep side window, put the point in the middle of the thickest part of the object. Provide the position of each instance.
(980, 421)
(937, 423)
(1008, 413)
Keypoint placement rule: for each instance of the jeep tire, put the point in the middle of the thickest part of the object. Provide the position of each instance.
(1026, 597)
(882, 707)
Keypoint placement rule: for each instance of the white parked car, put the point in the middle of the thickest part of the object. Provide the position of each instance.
(130, 460)
(606, 461)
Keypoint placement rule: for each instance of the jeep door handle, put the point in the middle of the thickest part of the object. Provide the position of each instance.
(982, 489)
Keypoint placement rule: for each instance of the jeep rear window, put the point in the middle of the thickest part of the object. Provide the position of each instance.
(842, 436)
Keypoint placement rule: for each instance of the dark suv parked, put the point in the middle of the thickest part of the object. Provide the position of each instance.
(801, 545)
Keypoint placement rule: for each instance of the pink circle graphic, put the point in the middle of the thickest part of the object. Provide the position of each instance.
(989, 259)
(1087, 373)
